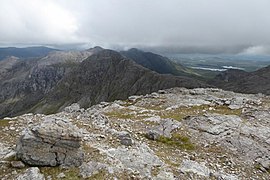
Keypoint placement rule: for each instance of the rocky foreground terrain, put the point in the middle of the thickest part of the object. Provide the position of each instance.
(172, 134)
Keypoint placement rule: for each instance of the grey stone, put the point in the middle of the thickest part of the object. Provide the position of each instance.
(91, 168)
(200, 169)
(224, 176)
(164, 175)
(215, 124)
(125, 138)
(10, 155)
(165, 128)
(137, 159)
(73, 108)
(32, 173)
(17, 164)
(61, 175)
(153, 134)
(233, 133)
(195, 167)
(161, 91)
(134, 98)
(55, 141)
(5, 151)
(264, 162)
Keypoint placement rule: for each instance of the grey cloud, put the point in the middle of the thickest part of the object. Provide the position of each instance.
(215, 26)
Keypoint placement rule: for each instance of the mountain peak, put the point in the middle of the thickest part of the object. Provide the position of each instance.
(135, 50)
(95, 49)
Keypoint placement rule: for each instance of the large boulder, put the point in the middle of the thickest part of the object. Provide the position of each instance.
(54, 142)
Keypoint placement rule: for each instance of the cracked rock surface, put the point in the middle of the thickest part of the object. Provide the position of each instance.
(54, 142)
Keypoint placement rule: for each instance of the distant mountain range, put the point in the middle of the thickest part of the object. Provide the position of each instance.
(53, 80)
(50, 83)
(244, 82)
(157, 63)
(27, 52)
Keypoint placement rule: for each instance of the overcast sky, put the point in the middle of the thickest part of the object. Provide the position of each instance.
(239, 26)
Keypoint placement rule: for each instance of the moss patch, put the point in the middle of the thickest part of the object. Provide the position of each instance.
(102, 174)
(120, 115)
(70, 174)
(177, 140)
(4, 122)
(127, 114)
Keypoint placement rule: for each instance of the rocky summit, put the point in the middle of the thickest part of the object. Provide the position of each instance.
(177, 133)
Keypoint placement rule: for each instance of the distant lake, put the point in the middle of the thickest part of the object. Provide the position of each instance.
(224, 68)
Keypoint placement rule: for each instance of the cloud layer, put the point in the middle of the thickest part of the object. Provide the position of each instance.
(208, 25)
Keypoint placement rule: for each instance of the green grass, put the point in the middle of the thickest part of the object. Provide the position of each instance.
(70, 174)
(120, 115)
(102, 174)
(126, 114)
(4, 122)
(177, 140)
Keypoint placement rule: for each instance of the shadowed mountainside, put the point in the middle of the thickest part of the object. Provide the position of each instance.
(50, 83)
(107, 76)
(25, 82)
(158, 63)
(244, 82)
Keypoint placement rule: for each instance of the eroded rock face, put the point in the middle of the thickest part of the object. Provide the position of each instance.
(54, 142)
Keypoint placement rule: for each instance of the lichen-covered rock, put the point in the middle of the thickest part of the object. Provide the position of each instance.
(17, 164)
(165, 128)
(194, 167)
(189, 166)
(91, 168)
(75, 107)
(125, 138)
(54, 142)
(140, 159)
(232, 132)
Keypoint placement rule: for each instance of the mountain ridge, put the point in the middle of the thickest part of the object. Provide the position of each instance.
(244, 82)
(24, 90)
(111, 77)
(157, 63)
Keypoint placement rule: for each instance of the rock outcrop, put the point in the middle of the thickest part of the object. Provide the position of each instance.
(201, 133)
(54, 142)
